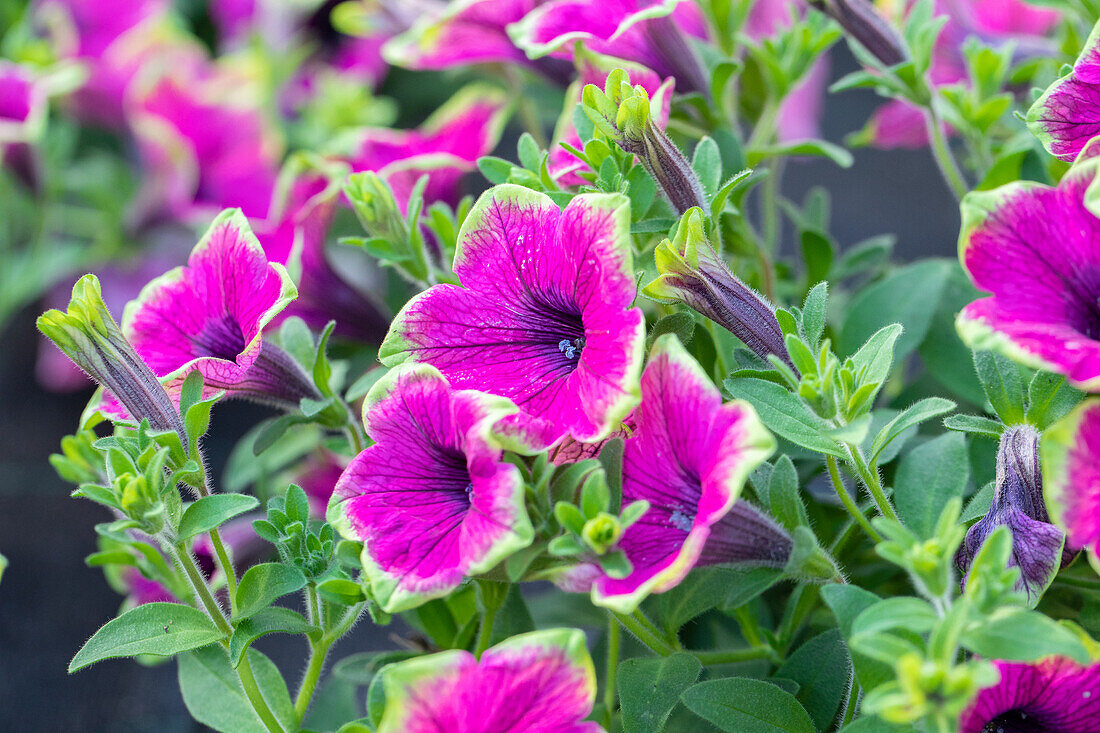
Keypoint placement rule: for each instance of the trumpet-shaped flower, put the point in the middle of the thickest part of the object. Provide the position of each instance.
(1033, 248)
(544, 313)
(1055, 694)
(22, 104)
(650, 32)
(1067, 116)
(445, 147)
(1071, 466)
(538, 682)
(432, 501)
(688, 456)
(1018, 503)
(209, 317)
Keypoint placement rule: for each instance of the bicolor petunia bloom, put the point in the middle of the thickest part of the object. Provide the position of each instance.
(22, 104)
(1037, 544)
(209, 315)
(689, 456)
(653, 33)
(433, 501)
(544, 314)
(1071, 466)
(1055, 694)
(593, 69)
(1067, 116)
(295, 235)
(1033, 247)
(445, 147)
(538, 682)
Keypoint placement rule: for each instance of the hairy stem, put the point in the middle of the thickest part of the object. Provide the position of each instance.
(655, 643)
(614, 639)
(949, 168)
(252, 691)
(848, 502)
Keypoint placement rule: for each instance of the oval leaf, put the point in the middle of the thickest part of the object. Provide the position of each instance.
(742, 705)
(211, 511)
(274, 620)
(161, 629)
(262, 584)
(650, 688)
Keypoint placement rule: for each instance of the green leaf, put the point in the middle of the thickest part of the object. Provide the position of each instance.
(160, 629)
(512, 617)
(979, 504)
(341, 590)
(783, 497)
(902, 612)
(900, 297)
(822, 668)
(814, 313)
(817, 148)
(926, 409)
(1018, 634)
(530, 155)
(682, 324)
(262, 584)
(274, 620)
(742, 705)
(211, 511)
(875, 358)
(650, 688)
(785, 414)
(745, 585)
(703, 589)
(944, 356)
(214, 696)
(707, 164)
(1003, 385)
(847, 602)
(927, 478)
(1049, 398)
(817, 252)
(974, 424)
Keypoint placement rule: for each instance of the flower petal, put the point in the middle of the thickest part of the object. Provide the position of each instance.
(1071, 468)
(1067, 116)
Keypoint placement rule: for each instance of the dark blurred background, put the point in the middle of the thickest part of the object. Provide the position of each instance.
(50, 603)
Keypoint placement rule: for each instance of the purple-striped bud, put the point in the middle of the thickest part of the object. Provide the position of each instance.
(692, 273)
(862, 22)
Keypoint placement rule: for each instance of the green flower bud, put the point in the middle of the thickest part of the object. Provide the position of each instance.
(602, 532)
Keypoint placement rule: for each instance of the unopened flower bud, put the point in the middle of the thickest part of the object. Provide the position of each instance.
(88, 334)
(692, 273)
(602, 532)
(861, 21)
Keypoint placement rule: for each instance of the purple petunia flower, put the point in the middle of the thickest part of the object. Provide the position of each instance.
(1055, 694)
(209, 316)
(22, 104)
(688, 456)
(432, 500)
(653, 33)
(1071, 465)
(544, 315)
(538, 682)
(1032, 247)
(1067, 116)
(445, 147)
(1018, 504)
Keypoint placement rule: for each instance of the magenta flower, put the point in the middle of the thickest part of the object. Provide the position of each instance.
(295, 236)
(206, 142)
(544, 314)
(538, 682)
(1032, 247)
(461, 33)
(652, 33)
(433, 501)
(209, 316)
(445, 147)
(1067, 116)
(22, 104)
(688, 456)
(593, 69)
(1071, 466)
(1037, 545)
(1055, 694)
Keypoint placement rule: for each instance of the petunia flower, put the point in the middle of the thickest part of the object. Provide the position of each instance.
(295, 235)
(1071, 466)
(898, 124)
(653, 33)
(1055, 694)
(538, 682)
(433, 501)
(209, 316)
(1018, 504)
(544, 315)
(205, 141)
(593, 68)
(23, 109)
(445, 147)
(1032, 247)
(689, 456)
(1067, 116)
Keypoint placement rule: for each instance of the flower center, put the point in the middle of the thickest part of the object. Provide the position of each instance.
(1015, 721)
(1083, 302)
(220, 337)
(681, 520)
(453, 474)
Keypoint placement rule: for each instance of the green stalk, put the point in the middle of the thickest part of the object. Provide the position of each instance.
(949, 169)
(872, 481)
(317, 654)
(655, 643)
(492, 599)
(252, 691)
(733, 656)
(848, 502)
(614, 639)
(202, 592)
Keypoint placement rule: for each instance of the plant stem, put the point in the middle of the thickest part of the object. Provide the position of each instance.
(492, 599)
(655, 643)
(733, 656)
(226, 565)
(614, 639)
(202, 592)
(872, 481)
(847, 500)
(252, 691)
(949, 169)
(317, 654)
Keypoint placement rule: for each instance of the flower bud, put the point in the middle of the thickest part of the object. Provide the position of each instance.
(88, 334)
(602, 532)
(626, 115)
(693, 274)
(861, 22)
